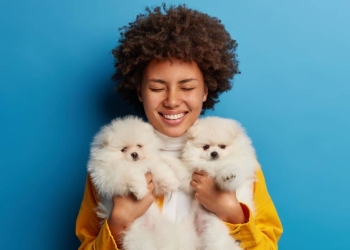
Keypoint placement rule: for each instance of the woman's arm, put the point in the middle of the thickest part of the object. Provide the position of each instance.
(125, 211)
(260, 232)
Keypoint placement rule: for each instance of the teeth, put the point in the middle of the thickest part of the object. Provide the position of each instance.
(174, 117)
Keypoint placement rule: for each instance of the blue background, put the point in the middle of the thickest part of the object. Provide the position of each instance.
(292, 97)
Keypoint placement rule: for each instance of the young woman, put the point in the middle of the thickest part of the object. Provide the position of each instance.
(172, 64)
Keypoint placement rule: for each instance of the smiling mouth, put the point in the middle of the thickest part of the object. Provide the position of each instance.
(173, 117)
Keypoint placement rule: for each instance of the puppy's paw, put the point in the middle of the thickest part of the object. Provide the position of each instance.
(226, 178)
(172, 184)
(163, 186)
(138, 190)
(185, 185)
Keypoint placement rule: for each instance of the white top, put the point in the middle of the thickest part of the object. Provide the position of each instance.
(177, 205)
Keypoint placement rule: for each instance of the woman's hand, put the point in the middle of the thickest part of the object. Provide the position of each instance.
(223, 204)
(126, 209)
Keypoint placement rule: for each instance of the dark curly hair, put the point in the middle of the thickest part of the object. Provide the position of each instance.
(175, 32)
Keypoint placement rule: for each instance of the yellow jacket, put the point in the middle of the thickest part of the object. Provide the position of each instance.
(261, 232)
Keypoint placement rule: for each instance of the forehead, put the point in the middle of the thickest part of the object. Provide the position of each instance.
(167, 70)
(213, 139)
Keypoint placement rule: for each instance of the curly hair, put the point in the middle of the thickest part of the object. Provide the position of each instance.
(175, 32)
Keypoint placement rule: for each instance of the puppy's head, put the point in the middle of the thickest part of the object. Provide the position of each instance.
(129, 139)
(211, 139)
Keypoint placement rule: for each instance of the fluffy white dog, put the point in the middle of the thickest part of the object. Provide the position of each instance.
(121, 154)
(221, 148)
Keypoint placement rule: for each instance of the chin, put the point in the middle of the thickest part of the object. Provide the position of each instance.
(221, 148)
(171, 130)
(122, 152)
(174, 132)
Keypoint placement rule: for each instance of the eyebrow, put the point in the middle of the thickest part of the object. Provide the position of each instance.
(163, 82)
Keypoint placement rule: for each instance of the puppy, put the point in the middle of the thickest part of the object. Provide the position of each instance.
(221, 148)
(122, 152)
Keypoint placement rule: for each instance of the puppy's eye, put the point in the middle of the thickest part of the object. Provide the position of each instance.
(205, 147)
(222, 146)
(140, 146)
(124, 149)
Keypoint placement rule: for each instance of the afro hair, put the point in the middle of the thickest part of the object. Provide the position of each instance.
(175, 32)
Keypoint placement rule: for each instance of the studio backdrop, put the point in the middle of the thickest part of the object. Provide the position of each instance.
(292, 96)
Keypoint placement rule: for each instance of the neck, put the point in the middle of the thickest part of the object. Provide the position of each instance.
(172, 145)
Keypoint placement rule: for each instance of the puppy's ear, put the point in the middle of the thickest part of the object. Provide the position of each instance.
(232, 133)
(103, 138)
(106, 142)
(192, 132)
(235, 129)
(190, 137)
(149, 128)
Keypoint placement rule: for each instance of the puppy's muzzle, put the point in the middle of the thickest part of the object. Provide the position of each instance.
(214, 155)
(134, 156)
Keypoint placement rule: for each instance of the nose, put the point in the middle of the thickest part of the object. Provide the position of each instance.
(214, 154)
(134, 155)
(173, 98)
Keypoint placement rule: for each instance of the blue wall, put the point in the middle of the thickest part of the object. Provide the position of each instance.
(292, 96)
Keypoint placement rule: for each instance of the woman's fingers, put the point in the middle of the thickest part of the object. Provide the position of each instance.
(150, 184)
(199, 175)
(193, 184)
(148, 177)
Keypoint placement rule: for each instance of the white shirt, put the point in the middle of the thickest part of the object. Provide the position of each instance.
(177, 205)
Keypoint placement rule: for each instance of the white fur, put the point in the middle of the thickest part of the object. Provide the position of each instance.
(233, 169)
(115, 170)
(183, 174)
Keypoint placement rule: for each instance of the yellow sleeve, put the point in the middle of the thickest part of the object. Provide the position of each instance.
(88, 228)
(263, 230)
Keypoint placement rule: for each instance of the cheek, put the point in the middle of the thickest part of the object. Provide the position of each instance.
(222, 153)
(156, 97)
(194, 101)
(125, 155)
(150, 101)
(197, 153)
(205, 154)
(228, 155)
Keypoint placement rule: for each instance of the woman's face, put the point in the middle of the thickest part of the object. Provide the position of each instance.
(172, 94)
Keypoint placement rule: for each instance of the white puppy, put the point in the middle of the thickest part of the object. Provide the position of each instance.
(221, 148)
(121, 154)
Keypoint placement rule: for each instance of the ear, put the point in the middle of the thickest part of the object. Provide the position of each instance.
(192, 132)
(235, 129)
(138, 90)
(105, 142)
(104, 137)
(205, 93)
(149, 129)
(232, 133)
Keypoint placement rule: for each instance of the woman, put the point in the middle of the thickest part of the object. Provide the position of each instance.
(172, 64)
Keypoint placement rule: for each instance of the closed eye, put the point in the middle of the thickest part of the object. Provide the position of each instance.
(140, 146)
(187, 89)
(124, 149)
(157, 90)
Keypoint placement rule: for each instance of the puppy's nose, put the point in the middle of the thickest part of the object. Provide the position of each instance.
(214, 154)
(134, 155)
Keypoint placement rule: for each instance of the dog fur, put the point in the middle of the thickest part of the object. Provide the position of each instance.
(122, 152)
(221, 148)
